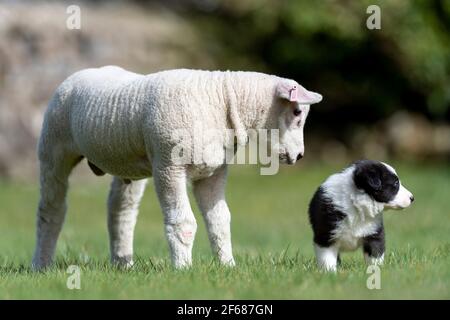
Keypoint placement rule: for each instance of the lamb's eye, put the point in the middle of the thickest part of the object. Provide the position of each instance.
(297, 112)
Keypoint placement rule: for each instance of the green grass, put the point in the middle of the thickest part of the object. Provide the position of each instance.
(271, 239)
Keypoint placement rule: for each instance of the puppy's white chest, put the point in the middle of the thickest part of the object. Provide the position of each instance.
(349, 235)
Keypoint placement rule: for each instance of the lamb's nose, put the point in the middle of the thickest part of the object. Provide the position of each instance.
(299, 156)
(411, 198)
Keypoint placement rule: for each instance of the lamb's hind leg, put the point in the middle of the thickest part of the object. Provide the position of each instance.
(123, 203)
(54, 174)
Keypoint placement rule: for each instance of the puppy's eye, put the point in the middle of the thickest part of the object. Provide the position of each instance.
(297, 112)
(396, 183)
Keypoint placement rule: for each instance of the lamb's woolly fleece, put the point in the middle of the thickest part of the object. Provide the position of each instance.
(117, 118)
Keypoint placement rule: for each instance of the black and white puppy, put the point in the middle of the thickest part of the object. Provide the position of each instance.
(346, 211)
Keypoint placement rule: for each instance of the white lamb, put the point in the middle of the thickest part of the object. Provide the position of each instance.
(124, 124)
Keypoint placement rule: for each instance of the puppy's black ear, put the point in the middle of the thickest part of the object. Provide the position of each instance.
(374, 181)
(366, 177)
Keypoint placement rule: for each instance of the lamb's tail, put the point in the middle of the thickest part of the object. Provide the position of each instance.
(54, 118)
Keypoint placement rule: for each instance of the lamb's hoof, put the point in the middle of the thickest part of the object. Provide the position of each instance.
(182, 265)
(125, 262)
(228, 263)
(39, 267)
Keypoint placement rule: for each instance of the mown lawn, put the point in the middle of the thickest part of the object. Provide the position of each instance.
(271, 238)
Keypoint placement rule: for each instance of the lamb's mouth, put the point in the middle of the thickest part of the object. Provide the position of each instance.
(284, 158)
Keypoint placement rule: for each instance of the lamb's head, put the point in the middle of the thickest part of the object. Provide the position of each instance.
(292, 104)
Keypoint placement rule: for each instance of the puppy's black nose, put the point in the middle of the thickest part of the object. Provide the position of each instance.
(300, 155)
(411, 198)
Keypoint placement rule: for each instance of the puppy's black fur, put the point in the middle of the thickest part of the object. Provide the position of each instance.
(324, 218)
(376, 180)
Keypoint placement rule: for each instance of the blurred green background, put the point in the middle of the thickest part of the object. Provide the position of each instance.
(386, 92)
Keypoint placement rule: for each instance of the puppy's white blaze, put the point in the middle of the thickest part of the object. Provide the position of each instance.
(390, 168)
(374, 261)
(402, 199)
(326, 257)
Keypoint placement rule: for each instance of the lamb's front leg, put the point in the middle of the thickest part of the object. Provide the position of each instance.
(179, 220)
(210, 195)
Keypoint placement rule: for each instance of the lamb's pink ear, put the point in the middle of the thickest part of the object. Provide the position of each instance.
(296, 93)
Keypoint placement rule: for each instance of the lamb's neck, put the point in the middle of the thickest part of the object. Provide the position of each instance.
(250, 97)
